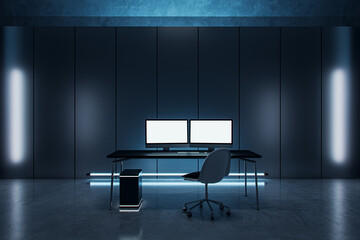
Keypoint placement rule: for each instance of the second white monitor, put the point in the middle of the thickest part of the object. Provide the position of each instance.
(211, 132)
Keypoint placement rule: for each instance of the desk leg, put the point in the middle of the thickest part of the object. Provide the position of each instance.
(112, 184)
(256, 183)
(120, 170)
(245, 179)
(117, 169)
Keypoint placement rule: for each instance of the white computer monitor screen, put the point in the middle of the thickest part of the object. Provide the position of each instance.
(211, 131)
(166, 131)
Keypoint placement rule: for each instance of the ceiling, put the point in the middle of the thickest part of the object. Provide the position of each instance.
(180, 13)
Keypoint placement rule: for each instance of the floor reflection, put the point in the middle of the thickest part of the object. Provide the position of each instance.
(338, 205)
(289, 209)
(16, 208)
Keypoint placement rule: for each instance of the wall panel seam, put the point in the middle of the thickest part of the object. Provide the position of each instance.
(74, 102)
(321, 112)
(157, 86)
(239, 93)
(33, 75)
(198, 80)
(116, 85)
(280, 92)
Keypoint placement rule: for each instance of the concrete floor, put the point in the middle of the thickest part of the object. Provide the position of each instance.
(289, 209)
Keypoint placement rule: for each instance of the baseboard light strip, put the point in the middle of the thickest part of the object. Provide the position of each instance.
(172, 174)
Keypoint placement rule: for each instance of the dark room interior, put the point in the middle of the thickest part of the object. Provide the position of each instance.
(116, 114)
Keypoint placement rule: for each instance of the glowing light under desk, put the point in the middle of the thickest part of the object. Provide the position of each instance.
(171, 174)
(181, 183)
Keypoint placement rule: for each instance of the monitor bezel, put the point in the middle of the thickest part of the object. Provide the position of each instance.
(167, 145)
(212, 145)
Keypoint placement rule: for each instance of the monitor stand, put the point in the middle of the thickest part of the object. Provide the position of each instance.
(211, 149)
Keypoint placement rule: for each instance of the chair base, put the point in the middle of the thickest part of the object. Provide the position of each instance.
(200, 202)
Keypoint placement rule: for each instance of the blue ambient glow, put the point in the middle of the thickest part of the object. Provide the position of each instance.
(339, 115)
(16, 116)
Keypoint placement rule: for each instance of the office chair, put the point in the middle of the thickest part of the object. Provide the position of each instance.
(216, 166)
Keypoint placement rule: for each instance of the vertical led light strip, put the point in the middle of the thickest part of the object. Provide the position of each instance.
(340, 95)
(338, 115)
(16, 115)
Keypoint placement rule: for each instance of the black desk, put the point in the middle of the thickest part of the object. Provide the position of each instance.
(128, 154)
(124, 155)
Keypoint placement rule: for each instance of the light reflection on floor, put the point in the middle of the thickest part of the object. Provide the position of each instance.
(73, 209)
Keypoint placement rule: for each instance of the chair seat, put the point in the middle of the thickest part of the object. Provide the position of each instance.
(194, 176)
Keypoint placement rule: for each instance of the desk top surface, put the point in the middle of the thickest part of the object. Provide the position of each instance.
(177, 154)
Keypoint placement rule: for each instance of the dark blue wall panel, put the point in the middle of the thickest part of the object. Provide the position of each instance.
(219, 78)
(123, 76)
(16, 91)
(301, 103)
(177, 84)
(95, 99)
(54, 103)
(260, 96)
(136, 90)
(355, 103)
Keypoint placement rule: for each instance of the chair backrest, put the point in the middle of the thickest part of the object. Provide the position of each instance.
(215, 167)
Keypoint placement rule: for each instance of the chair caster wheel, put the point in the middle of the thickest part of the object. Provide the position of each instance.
(212, 216)
(221, 207)
(189, 214)
(228, 212)
(184, 209)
